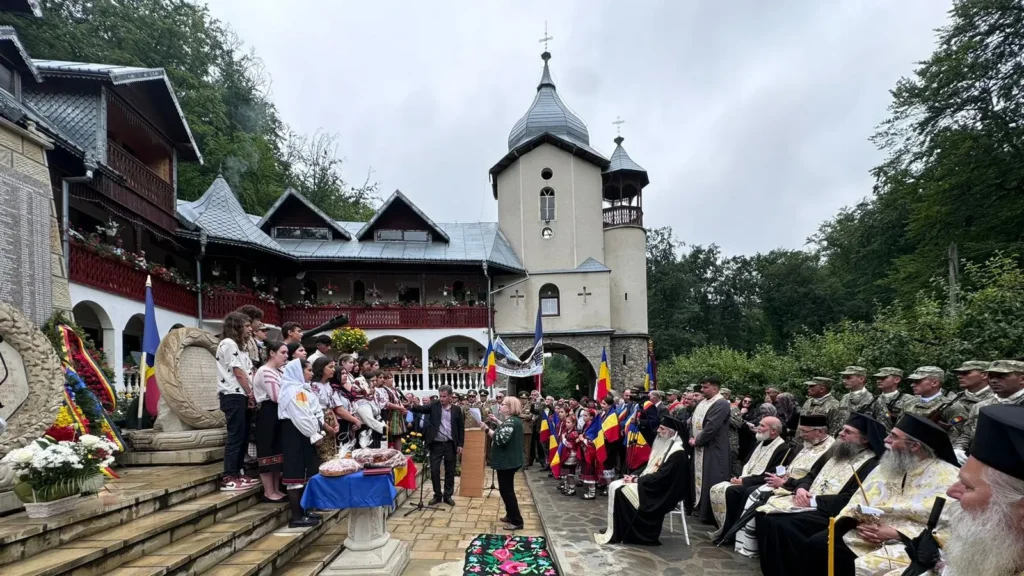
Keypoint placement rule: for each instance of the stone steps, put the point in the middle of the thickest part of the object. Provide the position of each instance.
(101, 552)
(138, 493)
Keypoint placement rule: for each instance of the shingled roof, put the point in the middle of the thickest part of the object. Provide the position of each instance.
(222, 217)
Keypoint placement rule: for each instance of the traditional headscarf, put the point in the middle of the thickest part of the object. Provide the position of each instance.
(298, 403)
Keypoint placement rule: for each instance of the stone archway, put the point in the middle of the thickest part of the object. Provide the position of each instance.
(583, 350)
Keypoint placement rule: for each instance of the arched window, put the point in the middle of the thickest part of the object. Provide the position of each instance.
(358, 291)
(547, 204)
(549, 300)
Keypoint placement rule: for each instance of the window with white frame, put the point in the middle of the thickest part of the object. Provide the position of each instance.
(549, 300)
(547, 204)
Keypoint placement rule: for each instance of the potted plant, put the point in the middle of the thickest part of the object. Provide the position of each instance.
(51, 475)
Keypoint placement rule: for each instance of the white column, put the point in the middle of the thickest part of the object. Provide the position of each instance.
(115, 355)
(425, 352)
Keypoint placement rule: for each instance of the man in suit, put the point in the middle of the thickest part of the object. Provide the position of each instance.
(445, 434)
(649, 417)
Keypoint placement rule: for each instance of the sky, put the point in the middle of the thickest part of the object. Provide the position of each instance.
(752, 118)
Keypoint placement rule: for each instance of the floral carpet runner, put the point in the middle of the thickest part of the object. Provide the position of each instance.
(502, 554)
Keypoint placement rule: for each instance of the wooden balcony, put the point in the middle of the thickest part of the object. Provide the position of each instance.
(391, 317)
(222, 302)
(623, 216)
(140, 178)
(123, 279)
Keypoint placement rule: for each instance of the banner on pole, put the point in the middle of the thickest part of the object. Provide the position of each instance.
(508, 363)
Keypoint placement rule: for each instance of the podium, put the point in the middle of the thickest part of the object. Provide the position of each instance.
(471, 482)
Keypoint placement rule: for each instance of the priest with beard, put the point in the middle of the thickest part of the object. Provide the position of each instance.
(987, 537)
(918, 466)
(637, 505)
(770, 453)
(785, 524)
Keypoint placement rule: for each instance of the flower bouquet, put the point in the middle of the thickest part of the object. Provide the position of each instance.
(51, 475)
(414, 447)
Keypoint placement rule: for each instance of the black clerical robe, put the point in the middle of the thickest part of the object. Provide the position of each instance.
(736, 495)
(658, 492)
(784, 539)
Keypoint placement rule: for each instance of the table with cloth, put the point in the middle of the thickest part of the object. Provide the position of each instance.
(369, 548)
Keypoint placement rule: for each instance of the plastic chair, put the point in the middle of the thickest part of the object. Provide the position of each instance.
(682, 517)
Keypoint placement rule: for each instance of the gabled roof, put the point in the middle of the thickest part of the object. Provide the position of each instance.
(16, 53)
(120, 75)
(399, 197)
(588, 265)
(577, 149)
(222, 217)
(292, 193)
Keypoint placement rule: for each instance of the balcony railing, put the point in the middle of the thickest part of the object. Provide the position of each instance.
(121, 278)
(140, 178)
(391, 317)
(623, 216)
(222, 302)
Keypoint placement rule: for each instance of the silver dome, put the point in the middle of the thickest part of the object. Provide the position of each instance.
(548, 114)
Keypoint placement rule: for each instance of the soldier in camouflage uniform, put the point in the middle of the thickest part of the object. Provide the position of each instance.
(973, 379)
(887, 407)
(858, 399)
(1006, 379)
(926, 382)
(821, 402)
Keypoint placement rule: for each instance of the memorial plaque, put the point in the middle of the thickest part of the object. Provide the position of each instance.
(14, 389)
(197, 371)
(25, 280)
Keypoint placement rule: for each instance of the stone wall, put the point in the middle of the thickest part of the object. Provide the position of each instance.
(30, 255)
(634, 348)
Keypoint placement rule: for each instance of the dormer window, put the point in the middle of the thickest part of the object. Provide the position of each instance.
(9, 80)
(301, 233)
(402, 236)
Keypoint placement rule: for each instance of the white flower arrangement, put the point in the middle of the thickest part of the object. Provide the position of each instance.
(50, 471)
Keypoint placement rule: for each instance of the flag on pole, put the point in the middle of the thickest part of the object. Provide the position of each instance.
(150, 341)
(638, 451)
(604, 379)
(610, 426)
(596, 435)
(545, 432)
(538, 344)
(649, 377)
(554, 460)
(490, 368)
(652, 364)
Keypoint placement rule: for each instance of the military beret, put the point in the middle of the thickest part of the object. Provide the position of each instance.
(1007, 366)
(889, 371)
(927, 372)
(854, 371)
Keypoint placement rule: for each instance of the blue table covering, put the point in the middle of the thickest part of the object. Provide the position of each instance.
(351, 491)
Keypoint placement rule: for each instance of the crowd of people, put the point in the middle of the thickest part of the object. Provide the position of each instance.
(888, 483)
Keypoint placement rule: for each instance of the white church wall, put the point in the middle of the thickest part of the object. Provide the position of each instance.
(574, 313)
(625, 248)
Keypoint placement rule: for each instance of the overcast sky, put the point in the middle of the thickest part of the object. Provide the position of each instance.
(752, 120)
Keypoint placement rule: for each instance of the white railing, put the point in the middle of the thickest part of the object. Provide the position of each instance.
(409, 381)
(459, 380)
(132, 381)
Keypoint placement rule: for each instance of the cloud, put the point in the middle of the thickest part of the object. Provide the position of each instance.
(752, 118)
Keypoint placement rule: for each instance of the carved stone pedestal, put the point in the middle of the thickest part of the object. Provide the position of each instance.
(369, 549)
(152, 447)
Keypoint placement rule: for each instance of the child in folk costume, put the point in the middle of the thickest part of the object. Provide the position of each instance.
(302, 422)
(567, 453)
(591, 468)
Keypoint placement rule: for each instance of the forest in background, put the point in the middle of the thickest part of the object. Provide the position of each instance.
(224, 92)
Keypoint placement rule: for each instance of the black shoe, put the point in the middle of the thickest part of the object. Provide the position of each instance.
(434, 501)
(551, 474)
(448, 500)
(304, 522)
(503, 519)
(314, 516)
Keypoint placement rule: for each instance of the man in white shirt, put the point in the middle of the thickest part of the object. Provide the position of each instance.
(323, 347)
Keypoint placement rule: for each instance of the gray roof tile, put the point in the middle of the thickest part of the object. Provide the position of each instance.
(592, 265)
(399, 197)
(292, 193)
(77, 114)
(620, 160)
(548, 114)
(219, 213)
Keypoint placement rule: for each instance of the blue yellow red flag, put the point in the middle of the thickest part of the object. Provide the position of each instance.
(604, 379)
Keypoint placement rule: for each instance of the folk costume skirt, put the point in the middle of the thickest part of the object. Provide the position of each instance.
(300, 459)
(268, 438)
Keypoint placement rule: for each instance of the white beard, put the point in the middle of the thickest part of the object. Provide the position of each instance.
(661, 447)
(978, 543)
(762, 437)
(896, 464)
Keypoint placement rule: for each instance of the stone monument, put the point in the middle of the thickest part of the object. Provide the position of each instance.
(31, 389)
(189, 427)
(369, 548)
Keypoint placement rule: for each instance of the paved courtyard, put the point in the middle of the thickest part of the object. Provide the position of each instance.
(570, 524)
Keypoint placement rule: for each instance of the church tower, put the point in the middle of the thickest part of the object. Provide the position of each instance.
(574, 219)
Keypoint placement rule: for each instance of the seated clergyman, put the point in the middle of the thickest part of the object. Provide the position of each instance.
(987, 536)
(815, 442)
(917, 468)
(637, 505)
(785, 524)
(771, 451)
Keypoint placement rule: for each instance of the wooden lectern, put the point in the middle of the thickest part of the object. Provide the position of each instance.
(471, 483)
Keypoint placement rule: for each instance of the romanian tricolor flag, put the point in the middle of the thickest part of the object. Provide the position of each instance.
(649, 377)
(405, 476)
(638, 451)
(604, 379)
(627, 422)
(555, 461)
(545, 432)
(150, 342)
(610, 427)
(596, 435)
(490, 367)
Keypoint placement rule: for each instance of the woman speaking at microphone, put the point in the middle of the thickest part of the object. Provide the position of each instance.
(507, 457)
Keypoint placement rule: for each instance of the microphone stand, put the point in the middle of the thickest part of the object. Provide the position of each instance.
(420, 506)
